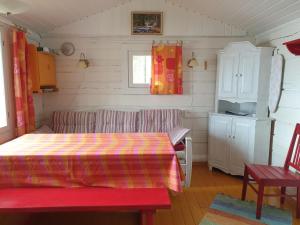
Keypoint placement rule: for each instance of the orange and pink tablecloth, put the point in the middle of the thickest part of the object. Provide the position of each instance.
(118, 160)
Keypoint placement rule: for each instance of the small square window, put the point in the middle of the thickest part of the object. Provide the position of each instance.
(139, 69)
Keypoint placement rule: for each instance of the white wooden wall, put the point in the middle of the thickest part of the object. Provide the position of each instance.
(103, 84)
(104, 37)
(288, 113)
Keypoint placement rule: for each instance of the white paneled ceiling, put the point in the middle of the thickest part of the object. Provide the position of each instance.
(255, 16)
(45, 15)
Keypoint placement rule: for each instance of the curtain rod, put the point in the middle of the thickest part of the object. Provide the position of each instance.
(19, 27)
(179, 42)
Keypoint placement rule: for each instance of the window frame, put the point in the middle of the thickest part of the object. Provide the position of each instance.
(5, 71)
(132, 53)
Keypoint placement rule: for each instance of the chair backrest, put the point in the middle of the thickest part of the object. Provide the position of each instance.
(293, 155)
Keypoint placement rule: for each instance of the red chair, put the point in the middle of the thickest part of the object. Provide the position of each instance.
(276, 176)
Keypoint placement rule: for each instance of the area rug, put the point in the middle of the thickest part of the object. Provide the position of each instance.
(226, 210)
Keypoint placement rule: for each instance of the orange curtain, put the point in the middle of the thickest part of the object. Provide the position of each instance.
(25, 119)
(166, 78)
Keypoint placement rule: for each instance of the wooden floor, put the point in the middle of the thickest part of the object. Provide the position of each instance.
(187, 208)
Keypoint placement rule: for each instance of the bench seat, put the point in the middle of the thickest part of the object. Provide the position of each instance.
(144, 200)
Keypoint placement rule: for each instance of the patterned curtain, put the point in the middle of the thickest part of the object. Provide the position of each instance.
(25, 120)
(166, 78)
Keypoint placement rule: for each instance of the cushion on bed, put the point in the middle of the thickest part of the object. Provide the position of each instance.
(63, 122)
(177, 134)
(159, 120)
(73, 122)
(149, 120)
(84, 122)
(112, 121)
(128, 121)
(170, 118)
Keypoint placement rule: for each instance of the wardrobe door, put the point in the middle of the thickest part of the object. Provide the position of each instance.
(219, 132)
(228, 71)
(241, 144)
(248, 76)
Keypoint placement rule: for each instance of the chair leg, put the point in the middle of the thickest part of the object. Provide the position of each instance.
(260, 197)
(282, 197)
(245, 184)
(298, 203)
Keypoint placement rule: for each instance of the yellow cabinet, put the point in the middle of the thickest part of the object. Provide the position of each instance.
(41, 67)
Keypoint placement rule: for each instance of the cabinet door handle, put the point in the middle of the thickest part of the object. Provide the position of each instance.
(229, 136)
(241, 75)
(233, 137)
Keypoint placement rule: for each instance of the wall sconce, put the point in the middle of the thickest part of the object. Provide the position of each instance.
(192, 63)
(83, 63)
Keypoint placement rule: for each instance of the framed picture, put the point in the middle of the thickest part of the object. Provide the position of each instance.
(146, 23)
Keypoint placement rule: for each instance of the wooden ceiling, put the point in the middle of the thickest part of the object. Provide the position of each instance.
(255, 16)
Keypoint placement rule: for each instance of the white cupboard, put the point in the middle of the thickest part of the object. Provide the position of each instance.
(242, 89)
(243, 75)
(235, 140)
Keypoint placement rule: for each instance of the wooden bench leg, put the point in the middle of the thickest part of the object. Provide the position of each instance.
(147, 217)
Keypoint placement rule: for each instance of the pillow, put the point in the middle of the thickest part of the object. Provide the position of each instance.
(178, 134)
(43, 130)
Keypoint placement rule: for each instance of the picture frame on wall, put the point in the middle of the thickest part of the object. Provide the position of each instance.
(146, 23)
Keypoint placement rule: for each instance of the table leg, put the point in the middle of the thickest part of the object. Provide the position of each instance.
(147, 217)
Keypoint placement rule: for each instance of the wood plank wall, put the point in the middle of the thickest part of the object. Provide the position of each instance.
(288, 113)
(104, 83)
(105, 37)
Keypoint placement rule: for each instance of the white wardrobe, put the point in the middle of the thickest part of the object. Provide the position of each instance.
(239, 129)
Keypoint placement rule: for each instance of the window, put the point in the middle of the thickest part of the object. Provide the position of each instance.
(139, 69)
(3, 106)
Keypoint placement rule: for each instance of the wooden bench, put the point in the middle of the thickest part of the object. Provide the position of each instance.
(145, 201)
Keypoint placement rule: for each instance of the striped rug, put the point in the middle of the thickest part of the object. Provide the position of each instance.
(229, 211)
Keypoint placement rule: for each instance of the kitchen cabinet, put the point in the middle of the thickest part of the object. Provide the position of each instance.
(243, 72)
(41, 66)
(236, 140)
